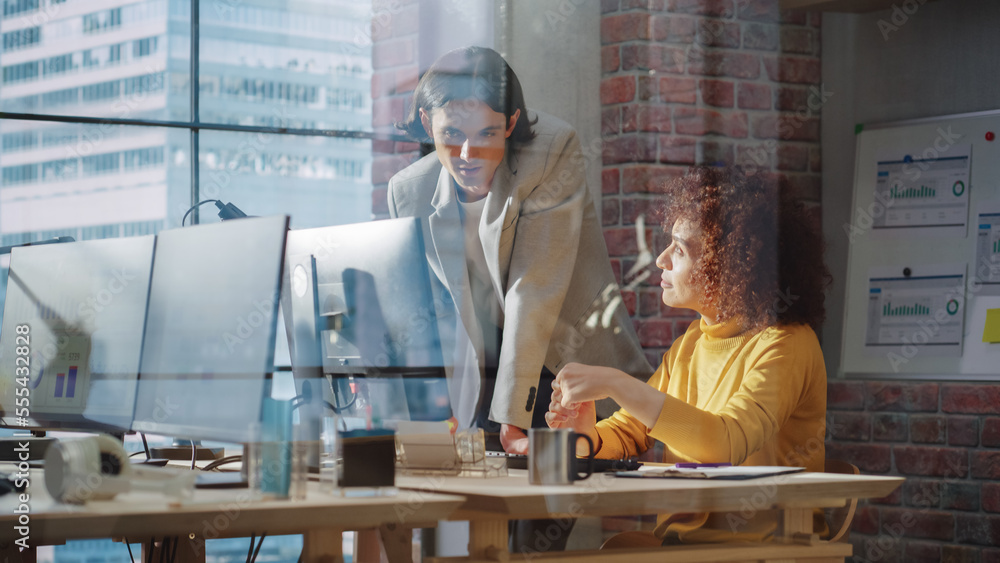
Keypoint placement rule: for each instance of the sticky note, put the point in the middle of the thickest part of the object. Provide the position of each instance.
(992, 331)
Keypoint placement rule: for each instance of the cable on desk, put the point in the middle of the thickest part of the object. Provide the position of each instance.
(173, 551)
(222, 461)
(145, 445)
(149, 554)
(253, 536)
(194, 454)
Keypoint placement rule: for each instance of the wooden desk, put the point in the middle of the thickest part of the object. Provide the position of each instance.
(491, 503)
(321, 518)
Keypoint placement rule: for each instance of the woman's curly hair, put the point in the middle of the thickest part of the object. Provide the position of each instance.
(762, 255)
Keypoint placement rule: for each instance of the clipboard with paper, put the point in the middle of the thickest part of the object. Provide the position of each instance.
(703, 472)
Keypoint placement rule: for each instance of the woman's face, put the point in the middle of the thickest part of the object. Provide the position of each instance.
(470, 138)
(678, 262)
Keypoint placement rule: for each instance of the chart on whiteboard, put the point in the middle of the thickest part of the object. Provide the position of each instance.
(924, 193)
(923, 309)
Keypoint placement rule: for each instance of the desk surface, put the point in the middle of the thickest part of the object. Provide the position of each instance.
(218, 513)
(606, 495)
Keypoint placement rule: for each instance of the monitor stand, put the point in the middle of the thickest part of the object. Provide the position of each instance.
(12, 448)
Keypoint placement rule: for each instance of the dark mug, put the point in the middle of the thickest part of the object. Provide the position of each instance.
(552, 456)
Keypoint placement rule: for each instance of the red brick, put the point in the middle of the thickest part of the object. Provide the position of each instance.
(642, 4)
(977, 530)
(959, 495)
(870, 458)
(759, 36)
(629, 148)
(624, 27)
(927, 429)
(815, 19)
(621, 241)
(865, 520)
(991, 432)
(648, 179)
(648, 90)
(641, 117)
(929, 524)
(949, 463)
(845, 395)
(889, 427)
(815, 160)
(895, 498)
(617, 90)
(649, 302)
(755, 156)
(718, 93)
(753, 96)
(959, 554)
(922, 552)
(610, 211)
(678, 90)
(794, 17)
(384, 167)
(723, 63)
(963, 431)
(908, 397)
(985, 465)
(611, 121)
(798, 40)
(792, 99)
(715, 153)
(785, 127)
(656, 333)
(922, 493)
(386, 111)
(697, 121)
(661, 58)
(629, 299)
(673, 29)
(677, 150)
(719, 8)
(793, 157)
(383, 146)
(609, 6)
(610, 58)
(380, 202)
(395, 52)
(970, 398)
(796, 70)
(717, 33)
(991, 497)
(759, 10)
(856, 426)
(609, 181)
(405, 148)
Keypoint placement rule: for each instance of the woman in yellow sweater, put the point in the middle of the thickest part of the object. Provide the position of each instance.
(746, 383)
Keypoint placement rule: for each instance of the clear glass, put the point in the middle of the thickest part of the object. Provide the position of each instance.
(285, 64)
(127, 62)
(318, 181)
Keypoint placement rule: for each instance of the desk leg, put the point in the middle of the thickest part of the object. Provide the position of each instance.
(488, 540)
(397, 542)
(323, 546)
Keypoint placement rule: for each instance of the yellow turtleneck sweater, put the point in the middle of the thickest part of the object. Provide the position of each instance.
(746, 398)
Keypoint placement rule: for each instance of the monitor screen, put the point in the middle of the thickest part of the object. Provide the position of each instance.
(76, 311)
(358, 303)
(208, 347)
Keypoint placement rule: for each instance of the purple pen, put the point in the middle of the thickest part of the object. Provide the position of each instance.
(691, 465)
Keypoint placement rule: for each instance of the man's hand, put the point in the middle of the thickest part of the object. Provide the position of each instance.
(513, 439)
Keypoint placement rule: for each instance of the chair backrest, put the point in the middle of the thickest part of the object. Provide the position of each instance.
(840, 518)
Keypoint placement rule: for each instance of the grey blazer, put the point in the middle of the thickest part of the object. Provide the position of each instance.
(547, 259)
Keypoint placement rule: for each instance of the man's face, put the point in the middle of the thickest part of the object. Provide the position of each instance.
(470, 139)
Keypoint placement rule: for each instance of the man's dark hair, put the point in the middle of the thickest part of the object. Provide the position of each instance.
(469, 73)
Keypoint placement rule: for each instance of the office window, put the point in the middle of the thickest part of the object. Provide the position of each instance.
(21, 38)
(17, 7)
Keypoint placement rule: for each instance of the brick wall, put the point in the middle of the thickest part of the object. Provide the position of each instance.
(395, 71)
(944, 438)
(699, 82)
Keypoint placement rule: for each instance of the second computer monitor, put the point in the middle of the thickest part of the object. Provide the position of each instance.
(210, 329)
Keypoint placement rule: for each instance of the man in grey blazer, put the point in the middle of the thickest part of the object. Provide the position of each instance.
(518, 258)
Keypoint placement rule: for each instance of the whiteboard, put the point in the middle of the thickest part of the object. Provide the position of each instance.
(913, 230)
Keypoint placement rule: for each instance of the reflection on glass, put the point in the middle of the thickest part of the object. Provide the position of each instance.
(99, 59)
(277, 64)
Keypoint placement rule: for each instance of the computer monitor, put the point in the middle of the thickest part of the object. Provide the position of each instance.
(81, 306)
(358, 304)
(208, 346)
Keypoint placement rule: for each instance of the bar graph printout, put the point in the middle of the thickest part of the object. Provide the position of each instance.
(925, 189)
(987, 266)
(915, 311)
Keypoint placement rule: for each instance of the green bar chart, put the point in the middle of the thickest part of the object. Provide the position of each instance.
(898, 192)
(889, 310)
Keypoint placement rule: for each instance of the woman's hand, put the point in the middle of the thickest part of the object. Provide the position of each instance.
(580, 418)
(578, 383)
